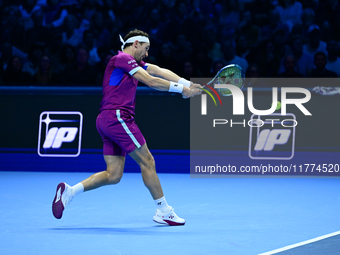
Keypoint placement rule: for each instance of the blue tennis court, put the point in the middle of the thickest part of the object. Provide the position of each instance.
(236, 216)
(224, 216)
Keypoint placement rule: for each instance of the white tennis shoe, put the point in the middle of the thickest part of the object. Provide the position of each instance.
(169, 218)
(62, 198)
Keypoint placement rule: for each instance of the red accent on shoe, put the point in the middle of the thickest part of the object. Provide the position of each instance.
(172, 223)
(159, 222)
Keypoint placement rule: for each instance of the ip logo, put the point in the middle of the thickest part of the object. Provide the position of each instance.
(272, 137)
(60, 134)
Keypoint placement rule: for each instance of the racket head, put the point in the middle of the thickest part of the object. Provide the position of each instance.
(230, 74)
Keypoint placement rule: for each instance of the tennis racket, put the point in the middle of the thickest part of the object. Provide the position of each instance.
(230, 74)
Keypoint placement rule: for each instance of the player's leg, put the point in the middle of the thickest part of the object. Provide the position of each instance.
(145, 160)
(65, 193)
(114, 157)
(112, 175)
(164, 214)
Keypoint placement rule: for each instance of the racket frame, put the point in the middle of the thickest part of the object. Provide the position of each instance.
(222, 70)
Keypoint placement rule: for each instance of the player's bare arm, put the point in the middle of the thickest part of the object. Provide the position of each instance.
(164, 85)
(167, 74)
(164, 73)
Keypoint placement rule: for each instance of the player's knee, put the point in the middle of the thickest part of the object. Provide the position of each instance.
(114, 178)
(149, 167)
(149, 161)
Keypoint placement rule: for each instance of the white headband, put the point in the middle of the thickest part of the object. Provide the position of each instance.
(138, 38)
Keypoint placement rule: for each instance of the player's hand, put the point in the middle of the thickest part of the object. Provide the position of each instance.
(193, 90)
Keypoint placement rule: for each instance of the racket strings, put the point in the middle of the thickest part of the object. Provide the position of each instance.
(230, 75)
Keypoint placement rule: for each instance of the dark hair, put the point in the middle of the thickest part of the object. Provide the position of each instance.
(89, 31)
(82, 47)
(250, 67)
(132, 33)
(49, 2)
(294, 38)
(320, 53)
(27, 6)
(33, 47)
(9, 67)
(63, 51)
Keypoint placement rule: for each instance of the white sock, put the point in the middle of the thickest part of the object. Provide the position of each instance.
(77, 189)
(162, 204)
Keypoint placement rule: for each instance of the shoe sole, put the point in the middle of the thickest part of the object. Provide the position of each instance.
(57, 206)
(163, 223)
(158, 220)
(172, 223)
(168, 222)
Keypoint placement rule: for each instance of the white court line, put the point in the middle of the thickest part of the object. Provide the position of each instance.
(301, 243)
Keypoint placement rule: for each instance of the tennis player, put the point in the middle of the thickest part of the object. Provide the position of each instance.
(116, 124)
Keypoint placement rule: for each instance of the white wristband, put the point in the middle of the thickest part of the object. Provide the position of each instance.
(184, 82)
(175, 87)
